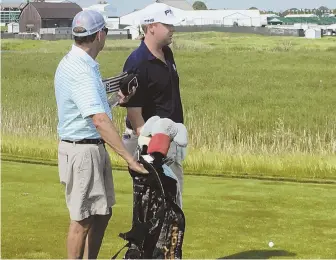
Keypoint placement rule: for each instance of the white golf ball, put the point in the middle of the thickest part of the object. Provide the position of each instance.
(271, 244)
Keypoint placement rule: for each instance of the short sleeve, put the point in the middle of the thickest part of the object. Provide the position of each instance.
(139, 98)
(86, 96)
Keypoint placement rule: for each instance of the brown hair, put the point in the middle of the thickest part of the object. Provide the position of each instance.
(83, 39)
(144, 28)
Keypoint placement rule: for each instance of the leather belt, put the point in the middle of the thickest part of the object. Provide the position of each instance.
(86, 141)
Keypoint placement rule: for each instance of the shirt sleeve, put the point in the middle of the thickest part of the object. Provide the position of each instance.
(139, 98)
(86, 96)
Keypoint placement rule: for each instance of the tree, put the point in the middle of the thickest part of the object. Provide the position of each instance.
(253, 8)
(290, 11)
(323, 8)
(102, 2)
(199, 5)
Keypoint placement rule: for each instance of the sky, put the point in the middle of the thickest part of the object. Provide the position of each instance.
(121, 7)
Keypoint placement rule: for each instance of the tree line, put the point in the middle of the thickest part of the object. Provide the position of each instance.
(200, 5)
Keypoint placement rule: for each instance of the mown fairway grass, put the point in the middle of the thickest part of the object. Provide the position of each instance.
(254, 105)
(225, 218)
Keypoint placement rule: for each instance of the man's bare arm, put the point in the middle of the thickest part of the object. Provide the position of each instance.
(109, 133)
(134, 115)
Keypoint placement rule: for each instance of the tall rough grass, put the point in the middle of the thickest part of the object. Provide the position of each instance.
(253, 105)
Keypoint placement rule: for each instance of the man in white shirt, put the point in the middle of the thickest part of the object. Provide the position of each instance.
(85, 125)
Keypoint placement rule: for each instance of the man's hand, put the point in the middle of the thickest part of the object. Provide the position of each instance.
(121, 87)
(124, 99)
(137, 167)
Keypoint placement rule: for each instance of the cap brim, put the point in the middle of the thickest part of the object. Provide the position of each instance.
(80, 34)
(171, 20)
(168, 20)
(87, 33)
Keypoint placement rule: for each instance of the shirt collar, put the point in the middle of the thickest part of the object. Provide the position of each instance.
(143, 48)
(150, 56)
(82, 54)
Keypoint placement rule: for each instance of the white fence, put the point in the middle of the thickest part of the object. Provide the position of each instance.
(59, 30)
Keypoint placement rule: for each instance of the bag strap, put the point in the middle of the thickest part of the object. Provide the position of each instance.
(115, 256)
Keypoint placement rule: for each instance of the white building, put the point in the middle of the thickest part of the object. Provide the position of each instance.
(113, 22)
(203, 17)
(189, 17)
(329, 15)
(133, 30)
(331, 27)
(10, 12)
(13, 28)
(300, 15)
(313, 33)
(222, 17)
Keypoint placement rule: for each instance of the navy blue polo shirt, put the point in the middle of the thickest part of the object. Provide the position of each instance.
(158, 92)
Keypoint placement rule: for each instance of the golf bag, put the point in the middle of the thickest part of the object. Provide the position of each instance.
(158, 222)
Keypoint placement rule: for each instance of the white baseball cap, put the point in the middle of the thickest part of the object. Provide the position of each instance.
(89, 20)
(159, 13)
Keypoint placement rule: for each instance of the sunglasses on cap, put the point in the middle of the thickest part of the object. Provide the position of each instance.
(105, 30)
(82, 30)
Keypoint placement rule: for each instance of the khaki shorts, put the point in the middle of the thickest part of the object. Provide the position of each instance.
(86, 172)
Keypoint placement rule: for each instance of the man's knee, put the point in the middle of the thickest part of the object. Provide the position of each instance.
(81, 226)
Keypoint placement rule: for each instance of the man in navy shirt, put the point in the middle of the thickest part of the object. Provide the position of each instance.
(158, 92)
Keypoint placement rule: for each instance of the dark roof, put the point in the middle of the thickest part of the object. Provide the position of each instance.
(57, 10)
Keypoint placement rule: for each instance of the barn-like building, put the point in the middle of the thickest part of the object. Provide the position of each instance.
(37, 15)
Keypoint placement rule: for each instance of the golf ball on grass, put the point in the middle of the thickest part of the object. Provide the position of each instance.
(270, 244)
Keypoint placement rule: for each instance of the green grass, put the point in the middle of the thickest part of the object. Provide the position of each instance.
(253, 105)
(224, 217)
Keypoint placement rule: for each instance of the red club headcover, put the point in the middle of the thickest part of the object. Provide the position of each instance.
(159, 143)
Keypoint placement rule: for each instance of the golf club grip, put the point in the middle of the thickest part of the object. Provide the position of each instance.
(126, 84)
(112, 84)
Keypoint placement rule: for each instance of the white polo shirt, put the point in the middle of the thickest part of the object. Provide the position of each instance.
(79, 93)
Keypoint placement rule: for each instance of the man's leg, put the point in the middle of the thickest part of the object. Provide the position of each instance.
(100, 221)
(78, 231)
(178, 171)
(90, 191)
(175, 153)
(95, 236)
